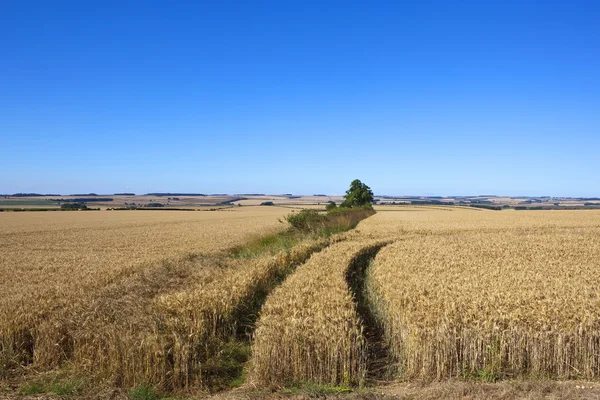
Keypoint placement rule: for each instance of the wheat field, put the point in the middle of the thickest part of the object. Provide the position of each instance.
(490, 294)
(309, 329)
(156, 297)
(62, 266)
(455, 292)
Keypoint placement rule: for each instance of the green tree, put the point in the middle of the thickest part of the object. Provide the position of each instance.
(358, 195)
(331, 206)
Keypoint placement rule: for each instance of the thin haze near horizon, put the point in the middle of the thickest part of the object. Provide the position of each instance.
(422, 98)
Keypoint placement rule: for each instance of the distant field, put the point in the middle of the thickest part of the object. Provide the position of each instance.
(180, 201)
(167, 201)
(22, 203)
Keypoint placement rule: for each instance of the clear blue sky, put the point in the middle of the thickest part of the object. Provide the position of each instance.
(412, 97)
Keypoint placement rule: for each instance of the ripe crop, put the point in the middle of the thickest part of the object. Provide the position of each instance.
(490, 294)
(162, 298)
(56, 268)
(309, 329)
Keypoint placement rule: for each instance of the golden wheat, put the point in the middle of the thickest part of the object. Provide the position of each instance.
(162, 326)
(52, 264)
(490, 294)
(309, 329)
(150, 297)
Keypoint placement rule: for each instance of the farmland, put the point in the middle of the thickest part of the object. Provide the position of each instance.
(158, 200)
(412, 294)
(492, 295)
(59, 266)
(182, 201)
(52, 254)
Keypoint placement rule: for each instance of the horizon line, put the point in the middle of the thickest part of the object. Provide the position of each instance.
(162, 194)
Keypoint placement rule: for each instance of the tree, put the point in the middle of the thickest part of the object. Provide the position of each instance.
(359, 195)
(331, 206)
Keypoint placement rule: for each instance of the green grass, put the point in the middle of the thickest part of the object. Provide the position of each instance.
(144, 392)
(19, 203)
(66, 388)
(226, 370)
(63, 387)
(271, 244)
(306, 224)
(33, 388)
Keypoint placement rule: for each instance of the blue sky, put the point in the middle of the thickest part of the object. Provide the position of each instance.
(412, 97)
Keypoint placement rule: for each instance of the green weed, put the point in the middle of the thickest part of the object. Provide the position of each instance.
(33, 388)
(144, 392)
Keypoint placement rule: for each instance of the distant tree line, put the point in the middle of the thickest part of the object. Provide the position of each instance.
(531, 201)
(83, 200)
(488, 207)
(477, 201)
(175, 194)
(432, 203)
(33, 195)
(154, 205)
(74, 206)
(229, 202)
